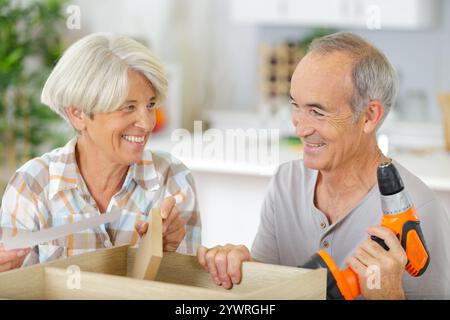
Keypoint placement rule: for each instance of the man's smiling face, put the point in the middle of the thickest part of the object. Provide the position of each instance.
(321, 89)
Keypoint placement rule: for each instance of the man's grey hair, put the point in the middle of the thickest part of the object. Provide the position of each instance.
(373, 76)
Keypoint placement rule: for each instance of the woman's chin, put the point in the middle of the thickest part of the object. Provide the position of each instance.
(136, 157)
(130, 157)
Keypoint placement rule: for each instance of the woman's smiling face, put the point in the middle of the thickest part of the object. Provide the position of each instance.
(121, 135)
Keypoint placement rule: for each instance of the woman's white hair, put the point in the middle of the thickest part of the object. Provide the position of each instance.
(92, 74)
(374, 78)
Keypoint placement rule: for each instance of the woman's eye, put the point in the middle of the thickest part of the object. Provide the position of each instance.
(129, 108)
(151, 105)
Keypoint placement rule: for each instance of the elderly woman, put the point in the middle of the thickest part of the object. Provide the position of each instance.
(107, 87)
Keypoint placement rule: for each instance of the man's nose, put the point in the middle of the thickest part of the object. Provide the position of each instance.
(302, 126)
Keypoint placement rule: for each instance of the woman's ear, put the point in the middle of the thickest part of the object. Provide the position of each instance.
(373, 115)
(77, 118)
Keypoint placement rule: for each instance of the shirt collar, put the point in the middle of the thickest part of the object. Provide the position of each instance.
(63, 169)
(64, 173)
(143, 173)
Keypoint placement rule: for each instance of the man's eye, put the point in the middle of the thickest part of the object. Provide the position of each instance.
(316, 113)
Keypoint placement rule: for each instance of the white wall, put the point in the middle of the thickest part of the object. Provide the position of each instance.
(230, 206)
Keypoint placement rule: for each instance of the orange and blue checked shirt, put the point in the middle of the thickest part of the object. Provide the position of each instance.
(49, 191)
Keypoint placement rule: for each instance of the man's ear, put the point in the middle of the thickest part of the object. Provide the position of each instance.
(77, 118)
(372, 115)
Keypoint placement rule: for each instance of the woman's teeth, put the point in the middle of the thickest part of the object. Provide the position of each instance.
(135, 139)
(315, 145)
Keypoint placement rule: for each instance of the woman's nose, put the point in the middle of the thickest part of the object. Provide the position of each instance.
(146, 120)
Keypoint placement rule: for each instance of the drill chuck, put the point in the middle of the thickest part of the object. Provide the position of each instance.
(389, 180)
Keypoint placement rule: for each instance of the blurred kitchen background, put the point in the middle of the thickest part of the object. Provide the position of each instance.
(229, 64)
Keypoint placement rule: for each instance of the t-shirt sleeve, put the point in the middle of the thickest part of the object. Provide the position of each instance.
(435, 282)
(265, 248)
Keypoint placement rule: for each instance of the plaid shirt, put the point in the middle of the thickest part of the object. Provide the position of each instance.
(49, 191)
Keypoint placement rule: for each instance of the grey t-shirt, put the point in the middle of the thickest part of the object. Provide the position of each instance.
(292, 229)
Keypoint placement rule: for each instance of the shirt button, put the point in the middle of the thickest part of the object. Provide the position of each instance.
(326, 244)
(322, 225)
(107, 243)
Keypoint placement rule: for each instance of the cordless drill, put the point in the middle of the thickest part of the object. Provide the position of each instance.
(400, 216)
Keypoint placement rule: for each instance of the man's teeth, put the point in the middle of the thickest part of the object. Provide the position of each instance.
(315, 145)
(136, 139)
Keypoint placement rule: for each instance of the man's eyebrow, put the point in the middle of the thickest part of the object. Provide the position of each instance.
(316, 105)
(311, 104)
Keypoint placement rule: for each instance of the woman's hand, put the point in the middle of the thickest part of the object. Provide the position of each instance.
(174, 228)
(12, 259)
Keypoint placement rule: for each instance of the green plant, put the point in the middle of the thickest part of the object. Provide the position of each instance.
(30, 44)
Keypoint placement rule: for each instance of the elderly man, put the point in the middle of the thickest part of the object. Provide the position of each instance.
(341, 91)
(107, 88)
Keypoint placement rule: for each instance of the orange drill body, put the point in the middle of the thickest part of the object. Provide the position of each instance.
(346, 280)
(404, 226)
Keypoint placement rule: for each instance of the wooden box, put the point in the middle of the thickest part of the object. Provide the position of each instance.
(105, 274)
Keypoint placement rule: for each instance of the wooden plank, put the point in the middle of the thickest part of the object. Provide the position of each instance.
(257, 276)
(179, 269)
(444, 101)
(28, 283)
(109, 261)
(310, 285)
(150, 252)
(104, 287)
(17, 284)
(259, 280)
